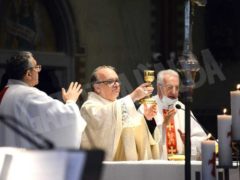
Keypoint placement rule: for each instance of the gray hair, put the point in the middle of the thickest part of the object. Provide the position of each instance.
(161, 74)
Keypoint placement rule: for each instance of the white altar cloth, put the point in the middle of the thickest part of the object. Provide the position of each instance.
(153, 170)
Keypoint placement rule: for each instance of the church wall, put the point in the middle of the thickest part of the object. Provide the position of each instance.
(114, 32)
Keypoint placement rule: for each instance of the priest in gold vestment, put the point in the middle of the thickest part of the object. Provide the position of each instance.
(115, 125)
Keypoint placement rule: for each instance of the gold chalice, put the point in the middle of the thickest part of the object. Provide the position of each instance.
(148, 78)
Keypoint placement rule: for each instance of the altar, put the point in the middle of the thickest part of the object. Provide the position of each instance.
(156, 170)
(59, 164)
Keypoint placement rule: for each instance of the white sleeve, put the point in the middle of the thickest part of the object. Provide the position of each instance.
(197, 134)
(59, 122)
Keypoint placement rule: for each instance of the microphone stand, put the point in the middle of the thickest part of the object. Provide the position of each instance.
(16, 127)
(209, 135)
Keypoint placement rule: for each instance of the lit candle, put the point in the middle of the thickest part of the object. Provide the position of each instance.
(224, 139)
(235, 111)
(208, 160)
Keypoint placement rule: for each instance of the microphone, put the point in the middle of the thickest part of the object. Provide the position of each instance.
(16, 126)
(209, 135)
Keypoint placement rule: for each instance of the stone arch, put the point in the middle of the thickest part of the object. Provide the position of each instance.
(61, 57)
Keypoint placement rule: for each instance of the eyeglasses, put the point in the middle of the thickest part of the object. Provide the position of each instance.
(170, 87)
(38, 67)
(110, 82)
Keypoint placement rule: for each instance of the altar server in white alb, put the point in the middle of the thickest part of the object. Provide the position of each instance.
(58, 122)
(115, 125)
(171, 121)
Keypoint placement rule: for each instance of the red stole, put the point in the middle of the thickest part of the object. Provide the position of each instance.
(2, 92)
(171, 138)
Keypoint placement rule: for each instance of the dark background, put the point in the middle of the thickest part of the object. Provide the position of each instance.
(216, 28)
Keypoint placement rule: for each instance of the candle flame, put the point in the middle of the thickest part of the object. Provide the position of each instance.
(238, 86)
(224, 110)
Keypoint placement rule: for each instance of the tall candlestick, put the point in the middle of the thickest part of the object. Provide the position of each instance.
(235, 111)
(208, 160)
(224, 140)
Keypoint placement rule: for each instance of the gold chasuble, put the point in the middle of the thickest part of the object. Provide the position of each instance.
(117, 128)
(137, 143)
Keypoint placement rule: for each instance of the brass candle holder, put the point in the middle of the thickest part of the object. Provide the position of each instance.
(148, 78)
